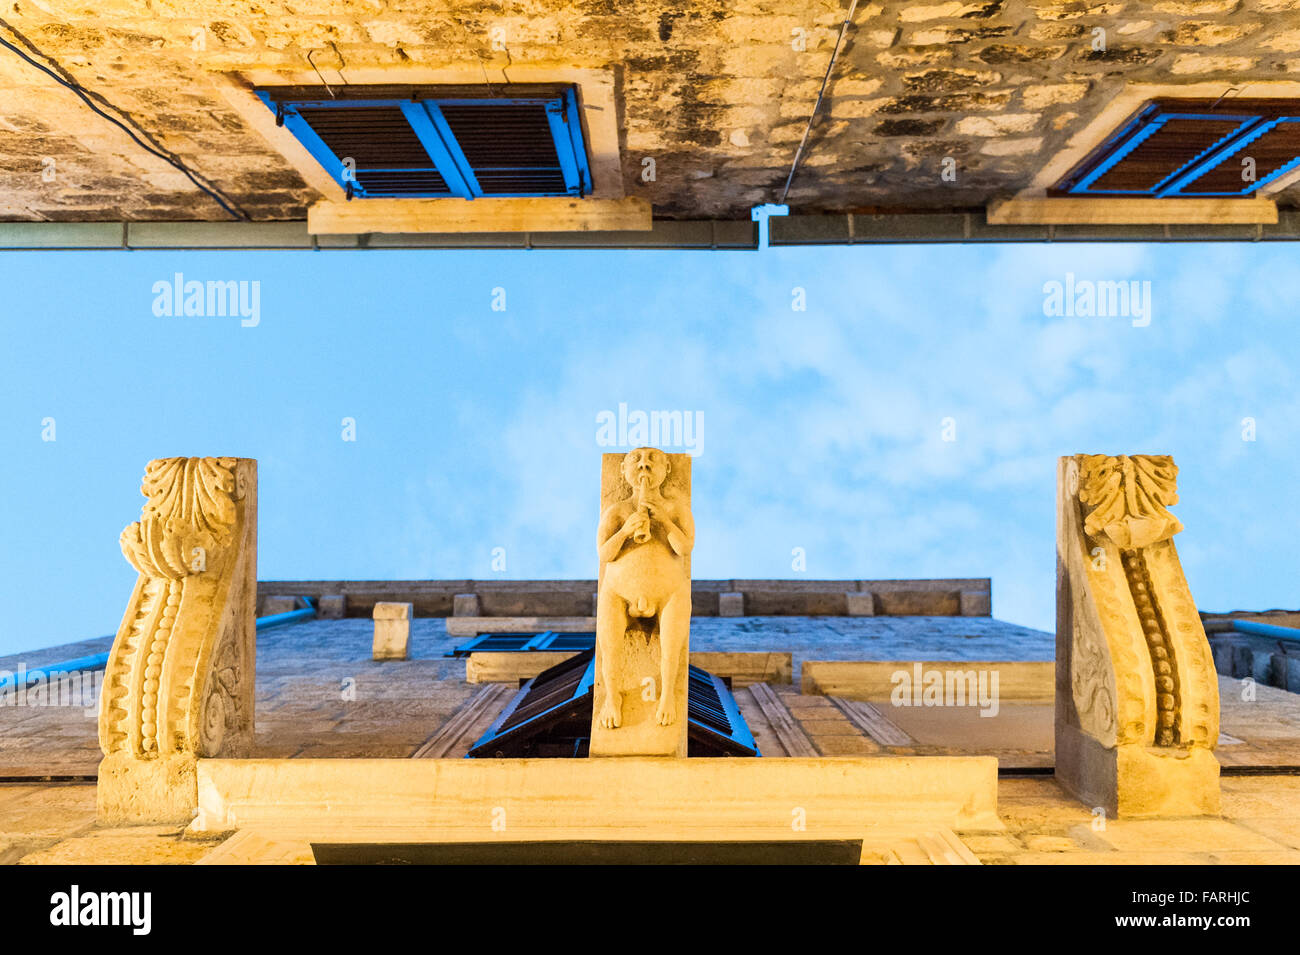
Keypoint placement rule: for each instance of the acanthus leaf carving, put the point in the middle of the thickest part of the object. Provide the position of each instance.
(1127, 498)
(1155, 653)
(187, 520)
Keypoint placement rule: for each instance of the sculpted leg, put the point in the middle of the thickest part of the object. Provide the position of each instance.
(611, 626)
(674, 629)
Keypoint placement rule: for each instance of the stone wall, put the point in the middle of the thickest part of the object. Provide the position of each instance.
(716, 93)
(971, 597)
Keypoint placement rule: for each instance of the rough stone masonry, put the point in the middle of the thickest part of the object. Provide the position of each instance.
(716, 93)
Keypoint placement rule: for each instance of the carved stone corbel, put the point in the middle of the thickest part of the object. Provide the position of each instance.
(1137, 696)
(180, 677)
(643, 606)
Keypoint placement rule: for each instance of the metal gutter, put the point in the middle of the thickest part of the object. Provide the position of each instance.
(707, 234)
(972, 226)
(287, 236)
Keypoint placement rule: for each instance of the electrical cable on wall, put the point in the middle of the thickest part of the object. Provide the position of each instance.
(226, 204)
(839, 40)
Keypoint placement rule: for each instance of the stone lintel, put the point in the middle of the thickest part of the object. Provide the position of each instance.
(651, 797)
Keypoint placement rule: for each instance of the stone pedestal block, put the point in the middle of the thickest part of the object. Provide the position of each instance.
(392, 630)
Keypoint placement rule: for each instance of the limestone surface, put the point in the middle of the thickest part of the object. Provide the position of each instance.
(392, 630)
(643, 606)
(1137, 699)
(180, 677)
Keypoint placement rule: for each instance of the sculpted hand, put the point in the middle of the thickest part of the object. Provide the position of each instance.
(637, 522)
(642, 533)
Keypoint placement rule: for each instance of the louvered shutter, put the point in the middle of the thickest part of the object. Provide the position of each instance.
(1185, 148)
(551, 716)
(514, 140)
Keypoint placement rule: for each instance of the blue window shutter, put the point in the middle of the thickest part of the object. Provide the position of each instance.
(502, 643)
(1181, 148)
(714, 718)
(552, 712)
(569, 641)
(422, 117)
(1273, 143)
(516, 140)
(562, 692)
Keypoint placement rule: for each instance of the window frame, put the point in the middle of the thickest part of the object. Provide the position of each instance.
(736, 740)
(1252, 123)
(526, 642)
(421, 107)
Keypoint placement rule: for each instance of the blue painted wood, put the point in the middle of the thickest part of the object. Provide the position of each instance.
(1145, 127)
(1236, 146)
(1245, 133)
(558, 120)
(573, 117)
(739, 728)
(572, 641)
(307, 136)
(437, 139)
(582, 689)
(579, 703)
(575, 642)
(1249, 128)
(427, 121)
(537, 641)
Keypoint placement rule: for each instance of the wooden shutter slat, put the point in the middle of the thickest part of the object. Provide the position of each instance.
(1190, 147)
(1271, 151)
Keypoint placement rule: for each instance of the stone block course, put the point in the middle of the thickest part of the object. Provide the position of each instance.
(723, 90)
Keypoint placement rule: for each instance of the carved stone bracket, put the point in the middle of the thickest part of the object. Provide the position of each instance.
(643, 605)
(1137, 700)
(179, 681)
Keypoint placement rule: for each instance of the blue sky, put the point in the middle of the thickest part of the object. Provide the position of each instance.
(476, 428)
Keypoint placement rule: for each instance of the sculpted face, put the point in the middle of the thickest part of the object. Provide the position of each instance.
(646, 467)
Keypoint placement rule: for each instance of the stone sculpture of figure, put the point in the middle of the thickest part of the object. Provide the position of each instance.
(644, 543)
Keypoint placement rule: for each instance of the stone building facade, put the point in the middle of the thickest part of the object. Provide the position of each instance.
(715, 96)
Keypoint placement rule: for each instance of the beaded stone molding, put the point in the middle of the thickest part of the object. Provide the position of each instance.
(1131, 651)
(179, 681)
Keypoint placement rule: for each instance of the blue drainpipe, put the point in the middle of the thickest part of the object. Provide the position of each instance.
(293, 616)
(100, 660)
(1267, 630)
